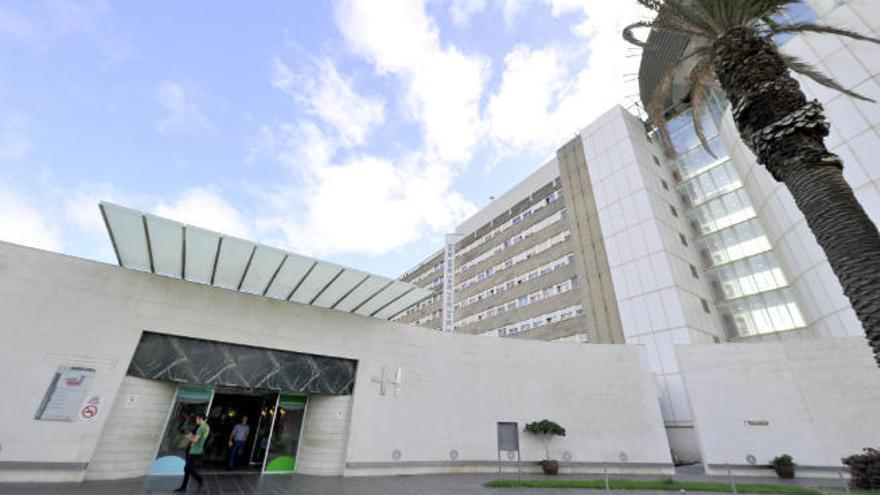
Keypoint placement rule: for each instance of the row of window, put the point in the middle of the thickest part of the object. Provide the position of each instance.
(418, 307)
(766, 312)
(760, 273)
(721, 213)
(517, 258)
(733, 243)
(538, 295)
(427, 273)
(537, 322)
(514, 240)
(531, 210)
(533, 274)
(717, 181)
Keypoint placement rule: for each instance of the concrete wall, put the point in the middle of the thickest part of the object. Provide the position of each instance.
(819, 398)
(658, 298)
(591, 261)
(323, 444)
(63, 310)
(127, 445)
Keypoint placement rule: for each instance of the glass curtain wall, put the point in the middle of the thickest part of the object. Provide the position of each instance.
(750, 290)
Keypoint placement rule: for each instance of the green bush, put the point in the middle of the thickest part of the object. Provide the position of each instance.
(782, 461)
(864, 469)
(545, 427)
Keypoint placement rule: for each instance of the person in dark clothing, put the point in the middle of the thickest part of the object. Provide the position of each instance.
(195, 452)
(237, 439)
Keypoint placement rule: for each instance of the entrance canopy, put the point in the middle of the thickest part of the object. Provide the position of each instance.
(166, 247)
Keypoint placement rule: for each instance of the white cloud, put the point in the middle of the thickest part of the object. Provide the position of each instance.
(442, 85)
(330, 97)
(81, 208)
(21, 222)
(205, 207)
(547, 94)
(462, 10)
(526, 109)
(183, 114)
(365, 204)
(14, 142)
(47, 22)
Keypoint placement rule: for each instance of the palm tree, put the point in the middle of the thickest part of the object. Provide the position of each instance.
(731, 46)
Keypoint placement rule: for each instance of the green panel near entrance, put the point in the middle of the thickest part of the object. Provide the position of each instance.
(292, 400)
(281, 464)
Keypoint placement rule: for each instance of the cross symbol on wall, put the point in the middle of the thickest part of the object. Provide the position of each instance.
(386, 379)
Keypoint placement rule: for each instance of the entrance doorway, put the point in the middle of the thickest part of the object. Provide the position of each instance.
(227, 411)
(274, 423)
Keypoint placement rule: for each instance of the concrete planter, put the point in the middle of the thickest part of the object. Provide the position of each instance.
(550, 466)
(785, 472)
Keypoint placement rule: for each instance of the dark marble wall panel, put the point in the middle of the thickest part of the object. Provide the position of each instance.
(206, 362)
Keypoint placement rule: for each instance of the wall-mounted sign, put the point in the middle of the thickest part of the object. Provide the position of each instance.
(90, 409)
(508, 436)
(66, 394)
(757, 422)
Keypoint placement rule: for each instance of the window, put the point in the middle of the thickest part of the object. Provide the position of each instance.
(656, 161)
(694, 271)
(664, 184)
(705, 306)
(673, 211)
(683, 239)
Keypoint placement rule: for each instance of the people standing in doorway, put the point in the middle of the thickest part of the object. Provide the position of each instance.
(237, 439)
(195, 452)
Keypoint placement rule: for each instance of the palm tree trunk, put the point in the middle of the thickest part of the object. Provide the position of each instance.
(786, 133)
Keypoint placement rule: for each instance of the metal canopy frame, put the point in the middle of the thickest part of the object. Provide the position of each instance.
(161, 246)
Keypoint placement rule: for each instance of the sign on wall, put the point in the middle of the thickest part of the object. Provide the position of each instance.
(66, 394)
(508, 436)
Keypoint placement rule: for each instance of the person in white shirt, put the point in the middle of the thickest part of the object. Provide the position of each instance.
(237, 439)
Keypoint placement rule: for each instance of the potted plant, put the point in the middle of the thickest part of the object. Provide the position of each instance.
(784, 466)
(547, 429)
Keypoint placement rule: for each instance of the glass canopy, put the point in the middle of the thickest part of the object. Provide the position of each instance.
(165, 247)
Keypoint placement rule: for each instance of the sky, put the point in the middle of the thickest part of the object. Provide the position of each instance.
(358, 132)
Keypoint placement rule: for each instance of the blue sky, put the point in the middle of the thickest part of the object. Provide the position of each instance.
(354, 131)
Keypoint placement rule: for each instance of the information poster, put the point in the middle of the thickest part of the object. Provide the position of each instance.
(66, 394)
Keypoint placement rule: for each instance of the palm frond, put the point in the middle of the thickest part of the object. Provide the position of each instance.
(812, 27)
(656, 104)
(808, 70)
(631, 38)
(699, 78)
(685, 17)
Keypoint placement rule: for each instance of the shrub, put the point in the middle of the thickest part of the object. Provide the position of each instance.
(782, 460)
(864, 469)
(545, 427)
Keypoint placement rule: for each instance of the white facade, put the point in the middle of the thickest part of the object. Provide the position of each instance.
(814, 400)
(660, 302)
(60, 310)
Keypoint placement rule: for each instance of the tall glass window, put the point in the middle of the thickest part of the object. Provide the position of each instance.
(750, 289)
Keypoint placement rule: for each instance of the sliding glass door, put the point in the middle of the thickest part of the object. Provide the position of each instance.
(188, 402)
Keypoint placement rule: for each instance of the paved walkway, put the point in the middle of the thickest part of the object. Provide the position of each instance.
(252, 484)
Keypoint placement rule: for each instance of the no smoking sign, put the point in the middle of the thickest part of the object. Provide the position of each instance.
(90, 409)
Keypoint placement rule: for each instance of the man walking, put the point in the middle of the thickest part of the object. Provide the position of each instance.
(195, 452)
(237, 439)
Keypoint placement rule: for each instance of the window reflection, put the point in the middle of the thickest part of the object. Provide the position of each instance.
(747, 281)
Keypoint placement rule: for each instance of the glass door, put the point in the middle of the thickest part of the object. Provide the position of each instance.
(187, 403)
(264, 427)
(285, 434)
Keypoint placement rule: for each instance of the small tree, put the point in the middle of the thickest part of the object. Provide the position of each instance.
(864, 469)
(546, 429)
